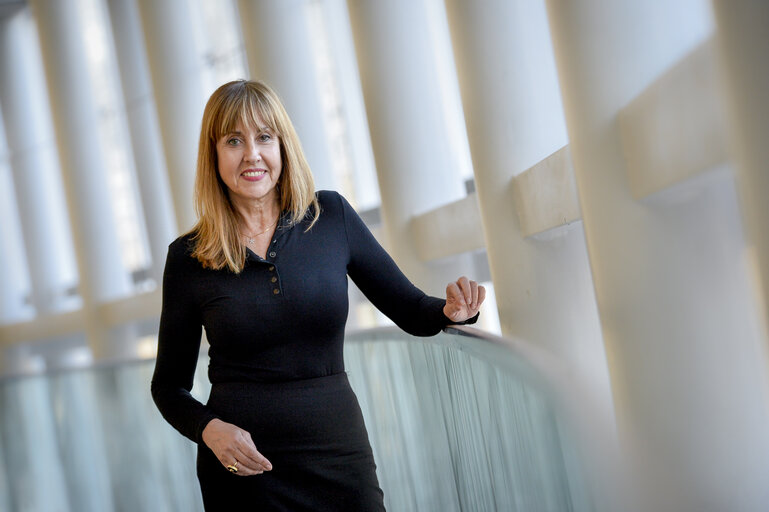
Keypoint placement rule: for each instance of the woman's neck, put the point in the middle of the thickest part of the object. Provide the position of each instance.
(258, 216)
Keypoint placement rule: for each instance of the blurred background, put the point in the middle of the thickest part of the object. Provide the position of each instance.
(600, 166)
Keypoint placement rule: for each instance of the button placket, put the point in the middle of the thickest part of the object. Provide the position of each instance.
(274, 278)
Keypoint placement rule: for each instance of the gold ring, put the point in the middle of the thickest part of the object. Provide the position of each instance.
(233, 468)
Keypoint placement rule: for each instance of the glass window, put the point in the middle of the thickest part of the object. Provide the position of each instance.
(114, 137)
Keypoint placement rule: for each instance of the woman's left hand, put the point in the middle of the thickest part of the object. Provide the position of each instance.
(463, 299)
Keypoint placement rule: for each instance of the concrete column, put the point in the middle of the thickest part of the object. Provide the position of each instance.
(681, 330)
(547, 296)
(102, 274)
(34, 162)
(744, 46)
(148, 154)
(283, 27)
(179, 96)
(406, 86)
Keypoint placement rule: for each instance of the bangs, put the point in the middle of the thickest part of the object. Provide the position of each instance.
(246, 107)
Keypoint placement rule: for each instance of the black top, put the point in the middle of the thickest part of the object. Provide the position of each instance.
(282, 318)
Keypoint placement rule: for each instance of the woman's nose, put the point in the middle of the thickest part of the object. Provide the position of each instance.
(252, 152)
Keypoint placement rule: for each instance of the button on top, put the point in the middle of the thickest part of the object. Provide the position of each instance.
(271, 268)
(273, 254)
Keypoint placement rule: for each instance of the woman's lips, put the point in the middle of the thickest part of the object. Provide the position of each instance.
(254, 175)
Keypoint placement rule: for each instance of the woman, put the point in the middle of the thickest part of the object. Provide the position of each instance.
(265, 272)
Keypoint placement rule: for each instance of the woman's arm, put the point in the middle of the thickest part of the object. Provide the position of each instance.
(383, 283)
(178, 347)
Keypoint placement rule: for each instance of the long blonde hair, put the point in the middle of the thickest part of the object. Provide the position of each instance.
(216, 235)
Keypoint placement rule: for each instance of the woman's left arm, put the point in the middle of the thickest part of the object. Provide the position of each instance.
(383, 283)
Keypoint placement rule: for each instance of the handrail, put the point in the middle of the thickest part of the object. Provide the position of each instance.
(466, 364)
(591, 424)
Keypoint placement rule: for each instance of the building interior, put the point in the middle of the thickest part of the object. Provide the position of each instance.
(600, 167)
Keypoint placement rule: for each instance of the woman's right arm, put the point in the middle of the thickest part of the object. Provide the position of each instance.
(178, 347)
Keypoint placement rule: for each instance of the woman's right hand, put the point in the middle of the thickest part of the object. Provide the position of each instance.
(233, 446)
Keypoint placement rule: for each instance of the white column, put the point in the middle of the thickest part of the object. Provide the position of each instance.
(681, 330)
(102, 274)
(179, 96)
(406, 87)
(33, 159)
(742, 35)
(547, 296)
(148, 154)
(280, 52)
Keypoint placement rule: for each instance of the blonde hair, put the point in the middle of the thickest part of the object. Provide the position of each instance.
(216, 235)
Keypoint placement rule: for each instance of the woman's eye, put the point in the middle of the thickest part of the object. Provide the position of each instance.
(265, 137)
(233, 142)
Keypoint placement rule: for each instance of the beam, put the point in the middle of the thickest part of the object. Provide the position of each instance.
(545, 195)
(675, 129)
(451, 229)
(112, 314)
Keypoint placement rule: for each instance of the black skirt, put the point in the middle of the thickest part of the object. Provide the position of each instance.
(312, 432)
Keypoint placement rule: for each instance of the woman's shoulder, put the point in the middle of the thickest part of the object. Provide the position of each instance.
(182, 248)
(328, 197)
(331, 203)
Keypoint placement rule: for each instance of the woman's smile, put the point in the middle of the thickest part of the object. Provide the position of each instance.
(254, 174)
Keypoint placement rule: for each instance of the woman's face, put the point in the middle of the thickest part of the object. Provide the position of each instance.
(249, 163)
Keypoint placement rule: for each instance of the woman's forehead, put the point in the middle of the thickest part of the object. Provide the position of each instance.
(246, 123)
(254, 127)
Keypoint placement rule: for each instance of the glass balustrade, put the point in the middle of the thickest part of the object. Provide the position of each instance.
(457, 423)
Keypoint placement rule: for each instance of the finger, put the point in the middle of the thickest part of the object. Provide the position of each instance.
(244, 465)
(481, 295)
(244, 471)
(453, 302)
(464, 285)
(252, 459)
(256, 454)
(232, 464)
(247, 463)
(473, 295)
(453, 293)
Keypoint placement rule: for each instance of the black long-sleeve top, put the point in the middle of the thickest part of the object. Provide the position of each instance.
(283, 317)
